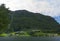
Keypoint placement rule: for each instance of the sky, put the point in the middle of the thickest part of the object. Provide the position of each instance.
(46, 7)
(58, 19)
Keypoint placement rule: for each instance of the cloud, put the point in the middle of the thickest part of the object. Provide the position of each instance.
(46, 7)
(52, 7)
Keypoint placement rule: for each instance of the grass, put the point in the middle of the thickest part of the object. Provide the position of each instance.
(27, 33)
(3, 35)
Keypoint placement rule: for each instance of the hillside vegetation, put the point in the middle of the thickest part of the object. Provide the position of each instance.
(23, 20)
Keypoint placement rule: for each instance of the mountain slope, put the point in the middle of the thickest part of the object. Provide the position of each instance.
(25, 20)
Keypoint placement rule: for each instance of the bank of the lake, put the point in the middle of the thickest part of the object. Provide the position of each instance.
(29, 35)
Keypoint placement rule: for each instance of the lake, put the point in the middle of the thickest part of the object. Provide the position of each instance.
(29, 38)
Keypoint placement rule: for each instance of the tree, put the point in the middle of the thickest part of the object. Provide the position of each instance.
(4, 18)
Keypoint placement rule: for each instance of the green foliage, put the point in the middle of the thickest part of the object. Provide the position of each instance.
(4, 18)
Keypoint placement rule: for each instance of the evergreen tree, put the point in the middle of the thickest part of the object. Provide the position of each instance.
(4, 18)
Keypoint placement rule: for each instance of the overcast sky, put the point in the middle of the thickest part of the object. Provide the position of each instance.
(46, 7)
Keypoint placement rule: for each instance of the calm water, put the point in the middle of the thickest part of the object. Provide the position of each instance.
(29, 38)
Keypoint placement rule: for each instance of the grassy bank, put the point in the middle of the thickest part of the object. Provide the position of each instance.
(28, 33)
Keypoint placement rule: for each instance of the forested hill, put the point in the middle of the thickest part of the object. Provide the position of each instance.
(25, 20)
(12, 21)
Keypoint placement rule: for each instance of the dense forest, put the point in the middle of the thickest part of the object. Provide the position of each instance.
(23, 20)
